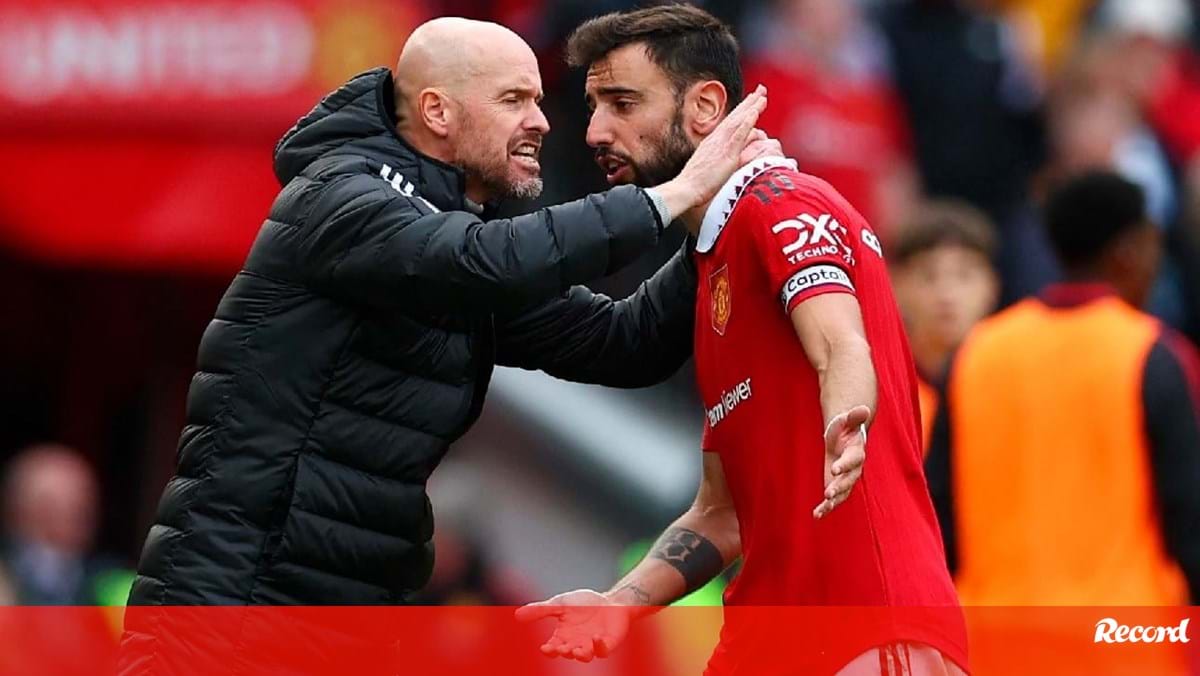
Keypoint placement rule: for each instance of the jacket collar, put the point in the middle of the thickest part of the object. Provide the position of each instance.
(359, 119)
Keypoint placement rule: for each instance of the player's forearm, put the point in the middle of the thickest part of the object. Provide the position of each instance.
(691, 552)
(847, 377)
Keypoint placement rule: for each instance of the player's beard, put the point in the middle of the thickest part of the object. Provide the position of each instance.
(480, 160)
(667, 156)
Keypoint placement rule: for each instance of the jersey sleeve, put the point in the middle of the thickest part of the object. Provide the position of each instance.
(800, 235)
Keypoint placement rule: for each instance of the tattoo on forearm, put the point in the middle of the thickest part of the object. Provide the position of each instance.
(692, 554)
(640, 595)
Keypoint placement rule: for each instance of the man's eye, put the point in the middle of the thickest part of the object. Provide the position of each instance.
(623, 106)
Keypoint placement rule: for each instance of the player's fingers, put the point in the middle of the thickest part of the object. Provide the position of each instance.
(850, 460)
(600, 644)
(551, 646)
(822, 509)
(841, 487)
(582, 653)
(859, 415)
(536, 611)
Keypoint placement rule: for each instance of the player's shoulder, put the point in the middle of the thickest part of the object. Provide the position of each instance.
(765, 188)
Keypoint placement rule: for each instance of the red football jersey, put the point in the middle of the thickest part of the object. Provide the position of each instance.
(772, 238)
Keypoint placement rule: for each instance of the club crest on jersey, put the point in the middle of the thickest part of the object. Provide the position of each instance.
(722, 298)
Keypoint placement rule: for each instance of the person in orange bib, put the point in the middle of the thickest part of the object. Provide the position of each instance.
(1065, 462)
(941, 267)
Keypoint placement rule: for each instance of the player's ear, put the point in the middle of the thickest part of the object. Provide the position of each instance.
(705, 101)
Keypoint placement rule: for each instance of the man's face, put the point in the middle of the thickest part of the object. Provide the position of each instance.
(637, 125)
(943, 292)
(500, 126)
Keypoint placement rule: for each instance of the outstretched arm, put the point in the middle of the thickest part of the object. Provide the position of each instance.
(700, 544)
(830, 327)
(693, 550)
(590, 338)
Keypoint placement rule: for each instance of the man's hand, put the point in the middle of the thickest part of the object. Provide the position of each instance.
(760, 146)
(845, 452)
(588, 624)
(716, 158)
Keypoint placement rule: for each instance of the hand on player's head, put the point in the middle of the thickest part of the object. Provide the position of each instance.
(719, 154)
(760, 146)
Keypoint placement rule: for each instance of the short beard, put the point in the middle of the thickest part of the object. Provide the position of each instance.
(668, 156)
(490, 171)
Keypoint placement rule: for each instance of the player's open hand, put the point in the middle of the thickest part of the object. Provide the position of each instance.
(845, 453)
(587, 624)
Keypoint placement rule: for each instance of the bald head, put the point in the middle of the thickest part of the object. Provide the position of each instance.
(467, 93)
(454, 55)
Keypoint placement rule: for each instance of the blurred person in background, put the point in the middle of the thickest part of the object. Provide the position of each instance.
(974, 106)
(359, 339)
(941, 267)
(1102, 113)
(1047, 29)
(1066, 457)
(833, 108)
(799, 347)
(51, 507)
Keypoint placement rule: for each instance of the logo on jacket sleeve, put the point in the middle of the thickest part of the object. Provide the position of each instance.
(722, 298)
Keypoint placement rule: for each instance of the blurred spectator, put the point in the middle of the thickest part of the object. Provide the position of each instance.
(1065, 462)
(974, 108)
(1188, 245)
(972, 103)
(1161, 67)
(941, 265)
(832, 106)
(50, 516)
(1049, 27)
(1099, 119)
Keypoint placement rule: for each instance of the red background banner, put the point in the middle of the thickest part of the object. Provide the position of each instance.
(138, 134)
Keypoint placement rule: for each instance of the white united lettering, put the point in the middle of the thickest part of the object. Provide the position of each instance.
(1108, 630)
(727, 401)
(174, 50)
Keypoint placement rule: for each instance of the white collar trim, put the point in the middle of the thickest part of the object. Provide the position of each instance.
(717, 214)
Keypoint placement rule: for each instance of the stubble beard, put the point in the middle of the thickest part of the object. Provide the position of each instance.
(478, 160)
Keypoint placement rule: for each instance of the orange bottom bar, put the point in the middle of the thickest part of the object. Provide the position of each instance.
(487, 640)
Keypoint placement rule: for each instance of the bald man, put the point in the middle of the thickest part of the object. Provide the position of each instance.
(358, 340)
(50, 504)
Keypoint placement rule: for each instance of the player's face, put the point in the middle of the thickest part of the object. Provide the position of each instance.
(500, 130)
(943, 292)
(637, 125)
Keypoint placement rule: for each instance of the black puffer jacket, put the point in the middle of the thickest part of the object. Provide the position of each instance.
(357, 344)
